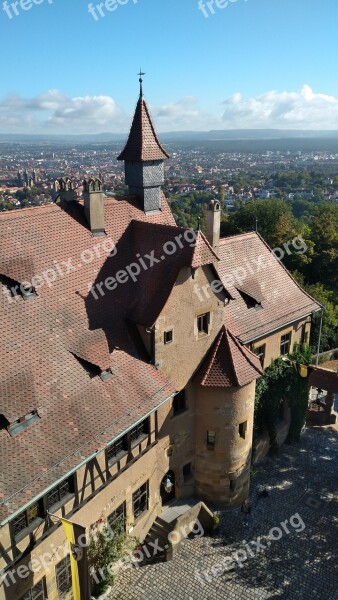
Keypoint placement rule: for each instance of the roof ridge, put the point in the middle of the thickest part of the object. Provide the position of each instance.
(213, 353)
(227, 335)
(237, 235)
(246, 352)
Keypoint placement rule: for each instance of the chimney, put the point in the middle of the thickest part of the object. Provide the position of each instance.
(93, 206)
(214, 223)
(66, 191)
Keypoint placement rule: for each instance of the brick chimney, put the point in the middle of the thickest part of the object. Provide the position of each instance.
(93, 205)
(214, 223)
(66, 190)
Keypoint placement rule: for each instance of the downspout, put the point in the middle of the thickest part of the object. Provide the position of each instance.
(320, 335)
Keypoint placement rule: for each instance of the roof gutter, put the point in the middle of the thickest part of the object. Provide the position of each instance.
(76, 468)
(281, 327)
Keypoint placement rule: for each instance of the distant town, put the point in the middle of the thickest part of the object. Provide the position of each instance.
(29, 172)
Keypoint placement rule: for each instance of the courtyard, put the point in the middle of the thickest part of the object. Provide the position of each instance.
(290, 540)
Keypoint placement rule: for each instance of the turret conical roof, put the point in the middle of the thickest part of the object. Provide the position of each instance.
(143, 143)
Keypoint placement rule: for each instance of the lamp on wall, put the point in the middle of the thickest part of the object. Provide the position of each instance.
(167, 484)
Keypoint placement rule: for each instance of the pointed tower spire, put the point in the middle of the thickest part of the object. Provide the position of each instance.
(144, 156)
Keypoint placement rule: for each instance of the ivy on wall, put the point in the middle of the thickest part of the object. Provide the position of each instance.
(282, 381)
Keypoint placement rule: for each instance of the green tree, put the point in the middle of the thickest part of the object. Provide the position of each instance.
(324, 235)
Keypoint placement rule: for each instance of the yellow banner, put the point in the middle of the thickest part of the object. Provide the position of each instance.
(78, 559)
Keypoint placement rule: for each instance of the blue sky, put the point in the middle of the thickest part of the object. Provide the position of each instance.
(252, 63)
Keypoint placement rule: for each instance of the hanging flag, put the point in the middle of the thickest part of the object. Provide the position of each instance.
(76, 536)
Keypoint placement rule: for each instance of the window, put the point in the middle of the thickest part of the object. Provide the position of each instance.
(63, 575)
(179, 403)
(61, 493)
(116, 450)
(242, 429)
(138, 432)
(285, 343)
(260, 352)
(37, 592)
(140, 500)
(203, 323)
(31, 517)
(117, 515)
(211, 439)
(187, 472)
(168, 336)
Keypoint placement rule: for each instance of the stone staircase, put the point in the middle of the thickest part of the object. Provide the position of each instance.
(169, 530)
(156, 546)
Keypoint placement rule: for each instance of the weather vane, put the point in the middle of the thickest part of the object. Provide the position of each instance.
(141, 81)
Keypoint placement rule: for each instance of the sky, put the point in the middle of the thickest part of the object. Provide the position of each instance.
(68, 66)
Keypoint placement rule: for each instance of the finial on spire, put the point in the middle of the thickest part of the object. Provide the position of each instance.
(141, 81)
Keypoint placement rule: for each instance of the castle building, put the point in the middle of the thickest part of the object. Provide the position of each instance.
(130, 350)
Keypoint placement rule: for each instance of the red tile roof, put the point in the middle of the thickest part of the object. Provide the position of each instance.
(42, 337)
(143, 143)
(248, 260)
(229, 364)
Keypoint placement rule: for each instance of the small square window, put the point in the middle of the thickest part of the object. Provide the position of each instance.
(116, 450)
(242, 429)
(187, 472)
(211, 439)
(139, 432)
(168, 336)
(179, 404)
(203, 322)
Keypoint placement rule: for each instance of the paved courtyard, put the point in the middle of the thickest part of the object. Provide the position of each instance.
(300, 565)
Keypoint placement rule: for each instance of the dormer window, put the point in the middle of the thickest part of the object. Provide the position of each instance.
(19, 425)
(93, 370)
(250, 301)
(105, 375)
(14, 289)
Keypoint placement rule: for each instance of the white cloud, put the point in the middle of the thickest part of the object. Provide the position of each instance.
(55, 112)
(303, 109)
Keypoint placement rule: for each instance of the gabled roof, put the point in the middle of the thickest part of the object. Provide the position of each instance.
(152, 290)
(41, 338)
(229, 364)
(143, 143)
(247, 264)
